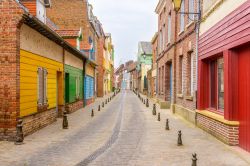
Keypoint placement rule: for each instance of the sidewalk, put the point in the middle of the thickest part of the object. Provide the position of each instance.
(53, 136)
(210, 151)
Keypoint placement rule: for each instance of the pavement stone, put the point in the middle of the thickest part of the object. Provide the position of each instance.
(124, 133)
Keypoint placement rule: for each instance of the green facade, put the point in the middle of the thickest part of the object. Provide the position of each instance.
(73, 84)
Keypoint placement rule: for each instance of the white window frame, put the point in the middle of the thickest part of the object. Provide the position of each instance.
(182, 16)
(191, 10)
(169, 27)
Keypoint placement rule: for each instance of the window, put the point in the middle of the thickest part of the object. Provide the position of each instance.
(160, 41)
(169, 28)
(42, 86)
(182, 16)
(181, 75)
(159, 81)
(190, 75)
(191, 10)
(216, 72)
(220, 84)
(162, 79)
(212, 70)
(163, 36)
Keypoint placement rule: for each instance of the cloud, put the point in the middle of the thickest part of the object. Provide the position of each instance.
(129, 21)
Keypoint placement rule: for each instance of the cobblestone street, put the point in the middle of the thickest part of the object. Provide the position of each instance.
(123, 133)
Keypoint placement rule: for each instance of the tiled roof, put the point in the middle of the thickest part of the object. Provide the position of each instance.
(68, 33)
(146, 47)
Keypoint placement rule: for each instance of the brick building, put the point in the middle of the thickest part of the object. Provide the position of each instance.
(32, 64)
(79, 16)
(177, 58)
(154, 84)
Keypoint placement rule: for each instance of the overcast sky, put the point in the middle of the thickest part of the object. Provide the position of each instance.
(129, 21)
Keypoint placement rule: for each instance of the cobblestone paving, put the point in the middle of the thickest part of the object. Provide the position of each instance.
(123, 133)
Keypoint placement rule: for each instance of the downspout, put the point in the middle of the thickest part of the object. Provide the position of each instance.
(197, 46)
(84, 69)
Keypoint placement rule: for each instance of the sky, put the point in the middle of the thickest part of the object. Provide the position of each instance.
(129, 21)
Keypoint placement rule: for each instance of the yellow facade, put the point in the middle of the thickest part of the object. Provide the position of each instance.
(29, 64)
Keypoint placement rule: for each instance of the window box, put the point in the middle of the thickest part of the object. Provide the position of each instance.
(189, 24)
(190, 98)
(180, 33)
(180, 96)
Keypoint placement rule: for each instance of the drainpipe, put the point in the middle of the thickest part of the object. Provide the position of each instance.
(197, 45)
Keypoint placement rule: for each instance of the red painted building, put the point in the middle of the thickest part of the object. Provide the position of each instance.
(224, 71)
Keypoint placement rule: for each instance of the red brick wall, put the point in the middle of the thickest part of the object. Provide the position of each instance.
(10, 17)
(100, 68)
(31, 5)
(226, 133)
(72, 107)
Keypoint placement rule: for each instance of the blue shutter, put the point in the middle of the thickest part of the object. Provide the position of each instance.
(89, 87)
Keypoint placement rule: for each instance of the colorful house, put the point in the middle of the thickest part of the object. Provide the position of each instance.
(32, 75)
(73, 72)
(79, 16)
(224, 77)
(144, 64)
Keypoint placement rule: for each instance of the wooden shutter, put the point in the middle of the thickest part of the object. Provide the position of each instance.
(45, 80)
(40, 86)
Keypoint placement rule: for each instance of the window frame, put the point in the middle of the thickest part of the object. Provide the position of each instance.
(182, 16)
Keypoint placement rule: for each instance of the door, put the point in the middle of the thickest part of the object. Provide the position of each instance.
(67, 87)
(244, 96)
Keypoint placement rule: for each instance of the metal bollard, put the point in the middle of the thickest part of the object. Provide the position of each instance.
(144, 102)
(179, 142)
(106, 101)
(147, 103)
(65, 124)
(194, 159)
(99, 108)
(159, 116)
(92, 113)
(102, 104)
(154, 109)
(167, 125)
(19, 133)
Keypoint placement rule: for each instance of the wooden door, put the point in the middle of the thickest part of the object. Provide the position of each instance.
(244, 96)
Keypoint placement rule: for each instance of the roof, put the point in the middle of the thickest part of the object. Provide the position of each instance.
(146, 47)
(68, 32)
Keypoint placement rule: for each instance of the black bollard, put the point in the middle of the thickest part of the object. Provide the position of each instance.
(19, 132)
(179, 142)
(159, 116)
(65, 124)
(167, 125)
(102, 104)
(154, 109)
(194, 159)
(106, 101)
(99, 108)
(92, 113)
(147, 103)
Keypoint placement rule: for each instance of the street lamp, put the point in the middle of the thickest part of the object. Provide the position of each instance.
(176, 4)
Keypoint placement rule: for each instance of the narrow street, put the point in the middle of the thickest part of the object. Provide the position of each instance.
(123, 133)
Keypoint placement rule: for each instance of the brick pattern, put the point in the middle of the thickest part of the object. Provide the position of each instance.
(10, 16)
(37, 121)
(227, 134)
(100, 68)
(72, 107)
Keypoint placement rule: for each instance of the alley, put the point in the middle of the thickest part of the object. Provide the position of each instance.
(124, 132)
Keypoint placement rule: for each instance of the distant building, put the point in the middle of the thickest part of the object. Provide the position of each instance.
(144, 64)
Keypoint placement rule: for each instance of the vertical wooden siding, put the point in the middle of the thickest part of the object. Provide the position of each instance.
(29, 64)
(73, 74)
